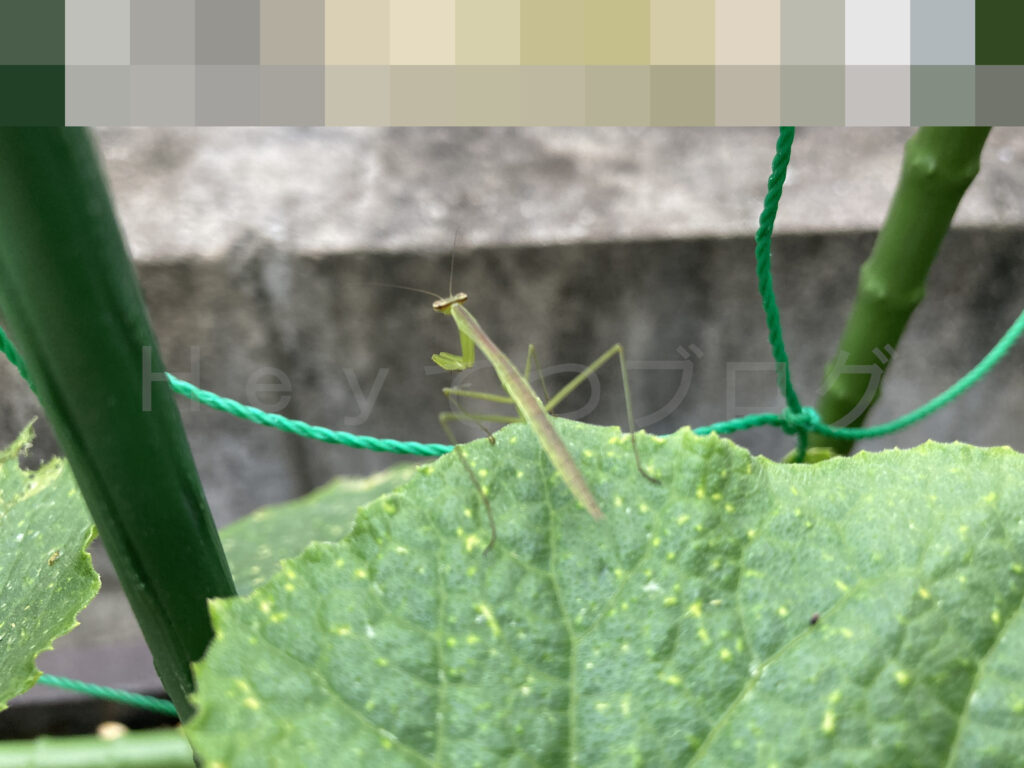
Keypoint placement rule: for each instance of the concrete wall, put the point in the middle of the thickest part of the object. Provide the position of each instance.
(262, 249)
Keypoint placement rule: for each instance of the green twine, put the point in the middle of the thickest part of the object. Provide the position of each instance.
(301, 428)
(763, 254)
(972, 377)
(796, 419)
(808, 418)
(152, 703)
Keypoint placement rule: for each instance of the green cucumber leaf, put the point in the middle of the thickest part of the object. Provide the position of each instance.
(46, 576)
(859, 611)
(257, 543)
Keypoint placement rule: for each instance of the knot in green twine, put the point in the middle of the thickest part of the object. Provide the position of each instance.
(800, 422)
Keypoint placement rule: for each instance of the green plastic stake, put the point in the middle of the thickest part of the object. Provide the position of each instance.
(938, 166)
(73, 305)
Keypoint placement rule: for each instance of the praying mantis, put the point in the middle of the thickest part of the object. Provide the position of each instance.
(520, 394)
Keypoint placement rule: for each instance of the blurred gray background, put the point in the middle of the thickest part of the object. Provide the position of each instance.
(260, 253)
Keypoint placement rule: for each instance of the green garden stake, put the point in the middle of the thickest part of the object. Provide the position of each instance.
(72, 302)
(938, 166)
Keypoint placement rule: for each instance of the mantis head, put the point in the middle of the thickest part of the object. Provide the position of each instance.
(444, 306)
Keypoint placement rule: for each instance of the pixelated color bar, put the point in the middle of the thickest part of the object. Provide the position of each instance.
(512, 62)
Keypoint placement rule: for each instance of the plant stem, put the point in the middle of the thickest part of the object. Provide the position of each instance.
(156, 748)
(938, 166)
(74, 307)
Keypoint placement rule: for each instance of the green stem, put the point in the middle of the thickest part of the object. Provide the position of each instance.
(938, 166)
(74, 307)
(157, 748)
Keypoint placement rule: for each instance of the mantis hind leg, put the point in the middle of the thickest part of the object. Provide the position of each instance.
(583, 375)
(459, 414)
(444, 418)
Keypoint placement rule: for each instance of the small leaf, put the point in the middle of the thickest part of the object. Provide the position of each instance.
(677, 631)
(257, 543)
(46, 576)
